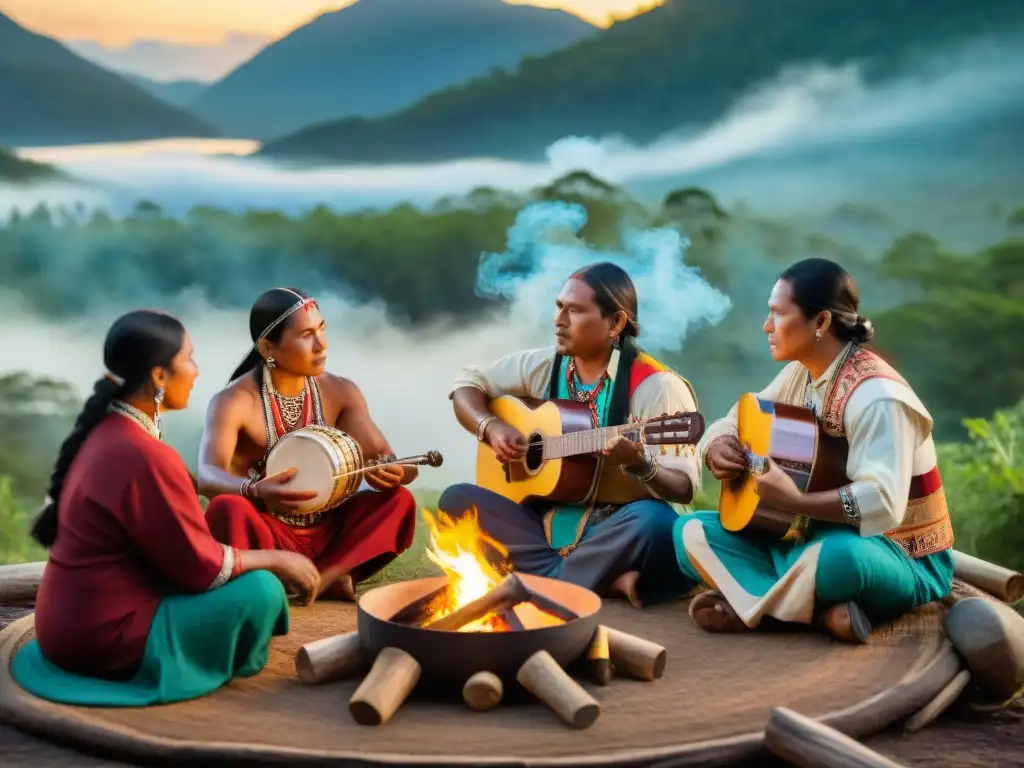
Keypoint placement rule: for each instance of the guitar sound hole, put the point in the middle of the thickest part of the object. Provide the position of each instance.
(534, 451)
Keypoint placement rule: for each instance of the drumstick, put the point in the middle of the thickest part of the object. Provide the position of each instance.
(431, 458)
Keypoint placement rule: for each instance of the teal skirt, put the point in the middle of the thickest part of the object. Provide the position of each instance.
(196, 644)
(761, 576)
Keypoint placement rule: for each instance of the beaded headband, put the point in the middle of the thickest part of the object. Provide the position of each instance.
(300, 304)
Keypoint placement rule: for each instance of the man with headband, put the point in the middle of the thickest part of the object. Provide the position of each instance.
(283, 385)
(625, 550)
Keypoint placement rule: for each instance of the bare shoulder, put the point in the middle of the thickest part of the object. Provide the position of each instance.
(235, 400)
(340, 390)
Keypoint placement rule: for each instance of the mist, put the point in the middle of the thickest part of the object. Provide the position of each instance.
(826, 134)
(810, 139)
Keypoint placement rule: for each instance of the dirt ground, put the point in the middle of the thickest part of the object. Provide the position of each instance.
(961, 738)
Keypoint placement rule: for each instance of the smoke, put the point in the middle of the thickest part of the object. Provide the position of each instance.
(672, 296)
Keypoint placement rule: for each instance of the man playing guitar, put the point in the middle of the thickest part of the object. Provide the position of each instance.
(627, 549)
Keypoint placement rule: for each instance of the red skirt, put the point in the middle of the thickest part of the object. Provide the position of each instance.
(359, 537)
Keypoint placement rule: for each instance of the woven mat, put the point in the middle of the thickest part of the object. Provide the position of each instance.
(711, 704)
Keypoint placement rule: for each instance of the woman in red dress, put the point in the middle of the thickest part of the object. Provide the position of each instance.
(139, 604)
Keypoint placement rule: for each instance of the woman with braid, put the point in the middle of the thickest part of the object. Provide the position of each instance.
(139, 604)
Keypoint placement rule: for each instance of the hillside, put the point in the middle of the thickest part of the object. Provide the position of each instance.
(377, 56)
(177, 92)
(14, 169)
(682, 63)
(52, 96)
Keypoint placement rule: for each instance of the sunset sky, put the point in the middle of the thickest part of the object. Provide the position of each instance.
(119, 22)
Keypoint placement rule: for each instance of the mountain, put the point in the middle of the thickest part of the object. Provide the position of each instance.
(165, 61)
(49, 95)
(377, 56)
(683, 63)
(176, 92)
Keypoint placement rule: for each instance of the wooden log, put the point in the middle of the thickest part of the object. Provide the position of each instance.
(635, 656)
(989, 636)
(1005, 584)
(20, 583)
(331, 658)
(803, 742)
(391, 679)
(927, 714)
(422, 608)
(511, 618)
(599, 661)
(483, 691)
(551, 607)
(508, 594)
(541, 676)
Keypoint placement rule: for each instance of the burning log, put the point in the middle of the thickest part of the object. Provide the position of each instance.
(598, 658)
(541, 676)
(510, 619)
(508, 594)
(635, 656)
(392, 678)
(421, 609)
(482, 691)
(329, 659)
(549, 606)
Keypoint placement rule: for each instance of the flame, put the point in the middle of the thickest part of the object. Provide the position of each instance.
(457, 546)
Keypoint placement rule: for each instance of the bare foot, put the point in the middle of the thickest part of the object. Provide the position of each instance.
(846, 622)
(338, 588)
(625, 586)
(713, 613)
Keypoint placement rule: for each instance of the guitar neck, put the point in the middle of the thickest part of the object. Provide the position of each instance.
(586, 441)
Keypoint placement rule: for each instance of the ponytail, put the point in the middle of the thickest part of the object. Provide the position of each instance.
(44, 527)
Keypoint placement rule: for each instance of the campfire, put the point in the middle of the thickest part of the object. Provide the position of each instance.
(480, 625)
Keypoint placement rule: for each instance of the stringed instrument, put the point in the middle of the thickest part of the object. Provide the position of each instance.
(560, 465)
(791, 437)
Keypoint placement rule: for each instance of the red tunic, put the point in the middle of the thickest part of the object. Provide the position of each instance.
(131, 532)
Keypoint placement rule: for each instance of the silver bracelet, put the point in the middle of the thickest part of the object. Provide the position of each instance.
(645, 475)
(481, 428)
(245, 489)
(851, 511)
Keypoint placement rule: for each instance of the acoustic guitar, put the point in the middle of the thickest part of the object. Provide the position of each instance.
(791, 437)
(560, 465)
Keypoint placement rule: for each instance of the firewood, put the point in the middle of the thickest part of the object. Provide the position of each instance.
(511, 618)
(331, 658)
(508, 594)
(803, 742)
(483, 691)
(927, 714)
(541, 676)
(635, 656)
(989, 636)
(598, 659)
(1001, 582)
(391, 679)
(420, 610)
(20, 583)
(549, 606)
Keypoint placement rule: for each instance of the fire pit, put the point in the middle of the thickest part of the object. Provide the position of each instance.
(478, 628)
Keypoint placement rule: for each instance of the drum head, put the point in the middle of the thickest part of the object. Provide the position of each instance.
(315, 458)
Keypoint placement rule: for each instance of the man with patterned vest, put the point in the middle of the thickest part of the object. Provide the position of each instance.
(866, 552)
(623, 549)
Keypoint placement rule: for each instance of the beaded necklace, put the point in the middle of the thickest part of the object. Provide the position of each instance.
(579, 393)
(134, 414)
